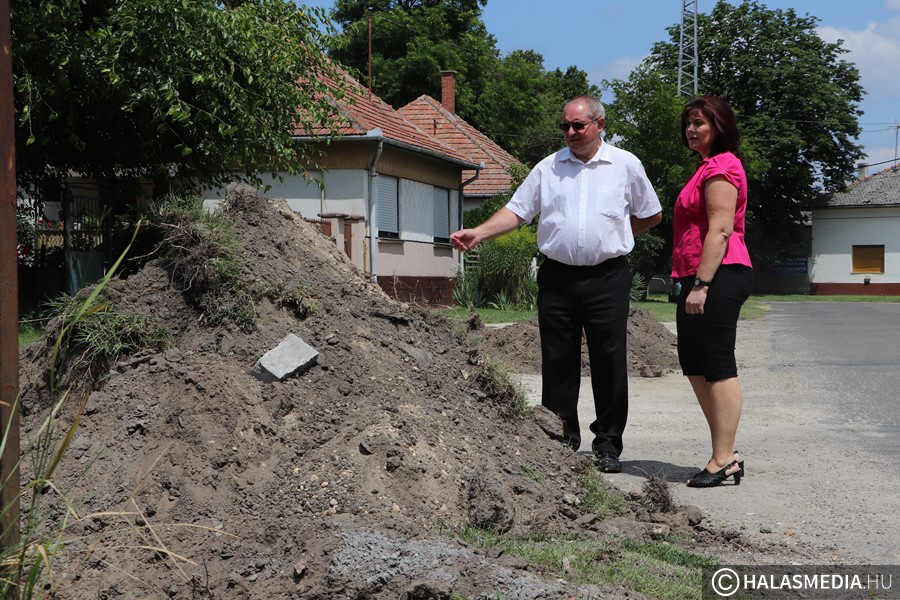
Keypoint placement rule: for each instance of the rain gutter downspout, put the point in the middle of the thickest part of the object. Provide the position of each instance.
(372, 205)
(462, 209)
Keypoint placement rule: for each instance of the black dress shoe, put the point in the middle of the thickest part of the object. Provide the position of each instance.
(607, 462)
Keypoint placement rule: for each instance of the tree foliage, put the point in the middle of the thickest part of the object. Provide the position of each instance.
(797, 103)
(513, 99)
(412, 42)
(161, 89)
(522, 104)
(644, 119)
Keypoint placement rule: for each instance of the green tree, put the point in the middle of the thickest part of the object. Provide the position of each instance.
(512, 99)
(192, 90)
(797, 103)
(540, 135)
(522, 103)
(645, 119)
(412, 42)
(507, 114)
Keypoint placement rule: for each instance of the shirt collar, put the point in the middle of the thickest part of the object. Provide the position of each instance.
(602, 154)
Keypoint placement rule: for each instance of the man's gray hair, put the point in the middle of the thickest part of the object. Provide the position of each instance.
(595, 109)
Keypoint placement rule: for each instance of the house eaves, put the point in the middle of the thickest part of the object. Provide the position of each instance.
(376, 135)
(880, 190)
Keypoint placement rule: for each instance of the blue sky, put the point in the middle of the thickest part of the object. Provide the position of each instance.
(607, 39)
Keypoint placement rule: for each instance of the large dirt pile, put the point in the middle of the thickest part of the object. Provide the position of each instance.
(193, 479)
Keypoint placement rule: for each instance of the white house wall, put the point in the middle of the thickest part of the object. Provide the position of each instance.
(346, 191)
(835, 232)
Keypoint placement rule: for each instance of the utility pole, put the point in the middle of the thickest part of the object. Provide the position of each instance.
(896, 130)
(687, 49)
(9, 298)
(370, 52)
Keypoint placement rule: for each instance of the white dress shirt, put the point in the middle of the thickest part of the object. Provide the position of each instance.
(585, 208)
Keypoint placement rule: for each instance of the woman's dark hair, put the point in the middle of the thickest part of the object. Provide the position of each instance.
(727, 138)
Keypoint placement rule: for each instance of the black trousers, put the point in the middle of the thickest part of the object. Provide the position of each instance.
(593, 300)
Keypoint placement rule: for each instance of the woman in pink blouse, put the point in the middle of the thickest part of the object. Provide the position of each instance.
(710, 260)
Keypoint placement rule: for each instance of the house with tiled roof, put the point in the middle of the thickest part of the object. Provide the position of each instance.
(439, 120)
(386, 191)
(855, 241)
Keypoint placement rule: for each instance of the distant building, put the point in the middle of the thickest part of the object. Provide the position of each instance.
(856, 238)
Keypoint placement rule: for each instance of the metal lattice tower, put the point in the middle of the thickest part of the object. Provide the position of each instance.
(687, 49)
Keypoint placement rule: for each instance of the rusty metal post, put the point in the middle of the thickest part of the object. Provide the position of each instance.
(9, 294)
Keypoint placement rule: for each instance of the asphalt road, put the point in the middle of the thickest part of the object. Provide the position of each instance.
(819, 434)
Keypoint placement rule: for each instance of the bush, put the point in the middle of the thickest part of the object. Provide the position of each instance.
(503, 276)
(468, 291)
(25, 240)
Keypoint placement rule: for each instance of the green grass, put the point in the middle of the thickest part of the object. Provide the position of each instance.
(29, 331)
(488, 315)
(660, 569)
(600, 498)
(658, 306)
(657, 569)
(662, 310)
(808, 298)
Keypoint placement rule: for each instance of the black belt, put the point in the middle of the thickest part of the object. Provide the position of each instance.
(617, 262)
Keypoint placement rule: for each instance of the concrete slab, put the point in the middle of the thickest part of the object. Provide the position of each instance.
(292, 355)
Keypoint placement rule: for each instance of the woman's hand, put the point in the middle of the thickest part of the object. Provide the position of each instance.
(693, 305)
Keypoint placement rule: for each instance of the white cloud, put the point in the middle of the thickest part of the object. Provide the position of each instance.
(874, 50)
(619, 68)
(880, 156)
(892, 5)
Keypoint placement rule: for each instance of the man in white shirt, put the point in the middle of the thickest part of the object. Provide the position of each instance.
(592, 199)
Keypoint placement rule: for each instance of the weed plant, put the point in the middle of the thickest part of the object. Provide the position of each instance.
(298, 299)
(26, 565)
(499, 274)
(203, 257)
(495, 381)
(98, 336)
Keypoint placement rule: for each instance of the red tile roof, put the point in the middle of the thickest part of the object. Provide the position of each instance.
(360, 112)
(435, 120)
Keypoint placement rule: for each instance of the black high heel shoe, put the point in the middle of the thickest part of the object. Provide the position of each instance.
(705, 479)
(740, 463)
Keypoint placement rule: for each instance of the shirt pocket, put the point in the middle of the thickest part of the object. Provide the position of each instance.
(611, 206)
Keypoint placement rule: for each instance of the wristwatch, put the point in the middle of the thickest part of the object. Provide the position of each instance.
(700, 283)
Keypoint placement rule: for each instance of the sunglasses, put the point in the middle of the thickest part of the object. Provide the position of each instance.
(564, 126)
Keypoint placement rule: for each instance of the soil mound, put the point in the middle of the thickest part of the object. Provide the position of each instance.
(191, 478)
(651, 347)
